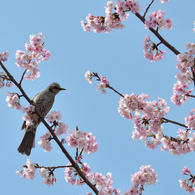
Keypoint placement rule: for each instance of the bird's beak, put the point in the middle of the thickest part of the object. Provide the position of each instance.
(62, 89)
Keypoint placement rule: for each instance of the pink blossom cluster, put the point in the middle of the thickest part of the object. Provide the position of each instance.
(146, 176)
(103, 24)
(104, 83)
(147, 125)
(35, 52)
(190, 121)
(188, 184)
(55, 116)
(131, 5)
(62, 128)
(178, 146)
(47, 179)
(149, 47)
(83, 141)
(8, 83)
(4, 56)
(112, 20)
(28, 170)
(103, 183)
(13, 100)
(88, 77)
(45, 142)
(185, 62)
(164, 1)
(29, 173)
(72, 177)
(29, 110)
(28, 119)
(156, 18)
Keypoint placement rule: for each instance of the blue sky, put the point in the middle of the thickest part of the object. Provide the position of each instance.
(119, 57)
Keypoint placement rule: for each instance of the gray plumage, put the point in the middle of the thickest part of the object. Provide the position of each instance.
(43, 102)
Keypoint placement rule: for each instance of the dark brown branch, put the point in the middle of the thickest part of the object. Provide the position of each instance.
(190, 95)
(165, 120)
(148, 8)
(175, 51)
(53, 168)
(22, 77)
(16, 83)
(52, 133)
(108, 86)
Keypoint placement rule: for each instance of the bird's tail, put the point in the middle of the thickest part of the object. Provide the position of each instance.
(28, 141)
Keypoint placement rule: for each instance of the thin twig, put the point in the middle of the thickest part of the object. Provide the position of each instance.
(108, 86)
(22, 77)
(147, 8)
(53, 168)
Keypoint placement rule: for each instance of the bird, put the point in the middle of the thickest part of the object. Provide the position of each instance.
(42, 102)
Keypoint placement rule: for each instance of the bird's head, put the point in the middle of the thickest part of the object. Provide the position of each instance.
(55, 88)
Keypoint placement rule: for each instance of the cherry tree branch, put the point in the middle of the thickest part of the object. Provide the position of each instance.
(77, 168)
(190, 95)
(169, 46)
(165, 120)
(148, 8)
(22, 77)
(52, 168)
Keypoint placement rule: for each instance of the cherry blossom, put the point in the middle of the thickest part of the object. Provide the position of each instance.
(188, 184)
(45, 142)
(31, 59)
(4, 56)
(156, 18)
(185, 62)
(88, 77)
(54, 116)
(83, 141)
(112, 20)
(14, 101)
(28, 170)
(149, 47)
(146, 176)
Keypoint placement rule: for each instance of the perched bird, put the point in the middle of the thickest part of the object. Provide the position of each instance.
(43, 102)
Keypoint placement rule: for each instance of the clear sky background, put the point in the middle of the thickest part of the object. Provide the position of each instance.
(119, 57)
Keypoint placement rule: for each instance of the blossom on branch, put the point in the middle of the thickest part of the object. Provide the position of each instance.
(14, 101)
(88, 77)
(151, 51)
(45, 142)
(188, 184)
(4, 56)
(190, 121)
(112, 20)
(54, 117)
(184, 78)
(72, 177)
(156, 18)
(83, 141)
(28, 170)
(35, 52)
(147, 126)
